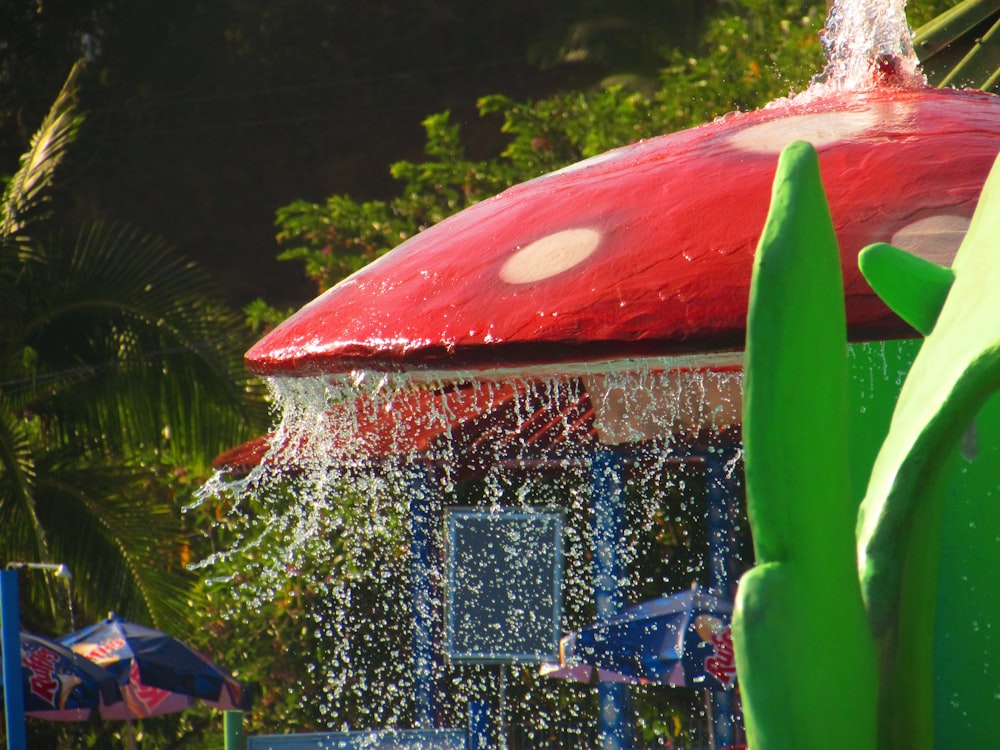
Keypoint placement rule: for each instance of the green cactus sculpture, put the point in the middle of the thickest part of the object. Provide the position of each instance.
(804, 650)
(898, 543)
(878, 684)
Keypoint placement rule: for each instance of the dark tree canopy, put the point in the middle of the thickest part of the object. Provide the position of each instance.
(204, 116)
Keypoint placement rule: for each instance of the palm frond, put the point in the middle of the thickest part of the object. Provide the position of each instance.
(23, 533)
(132, 343)
(25, 191)
(115, 523)
(116, 366)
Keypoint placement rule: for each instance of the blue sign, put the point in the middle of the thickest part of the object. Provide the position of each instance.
(401, 739)
(504, 585)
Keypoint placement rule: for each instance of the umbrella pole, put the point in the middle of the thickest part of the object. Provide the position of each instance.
(711, 721)
(131, 733)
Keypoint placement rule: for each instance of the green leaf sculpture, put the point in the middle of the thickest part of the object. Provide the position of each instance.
(898, 543)
(804, 649)
(866, 599)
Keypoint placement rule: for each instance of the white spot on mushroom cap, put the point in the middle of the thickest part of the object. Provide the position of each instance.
(550, 255)
(819, 129)
(934, 238)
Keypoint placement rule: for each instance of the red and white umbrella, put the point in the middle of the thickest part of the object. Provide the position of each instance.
(60, 685)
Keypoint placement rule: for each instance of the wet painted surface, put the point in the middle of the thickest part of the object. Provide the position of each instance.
(647, 249)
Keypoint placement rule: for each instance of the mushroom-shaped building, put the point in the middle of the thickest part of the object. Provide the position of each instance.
(624, 280)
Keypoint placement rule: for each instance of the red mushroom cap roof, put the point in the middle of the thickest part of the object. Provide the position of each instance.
(648, 249)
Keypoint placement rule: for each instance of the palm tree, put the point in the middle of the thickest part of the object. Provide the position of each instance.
(118, 373)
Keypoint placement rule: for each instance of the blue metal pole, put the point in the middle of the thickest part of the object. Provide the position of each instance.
(423, 601)
(608, 508)
(721, 539)
(10, 634)
(479, 725)
(718, 526)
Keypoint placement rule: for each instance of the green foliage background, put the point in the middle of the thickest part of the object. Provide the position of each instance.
(751, 53)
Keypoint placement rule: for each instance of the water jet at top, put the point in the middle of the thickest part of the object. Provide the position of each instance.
(866, 44)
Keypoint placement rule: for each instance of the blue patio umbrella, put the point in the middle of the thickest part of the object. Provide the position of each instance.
(683, 640)
(158, 673)
(60, 685)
